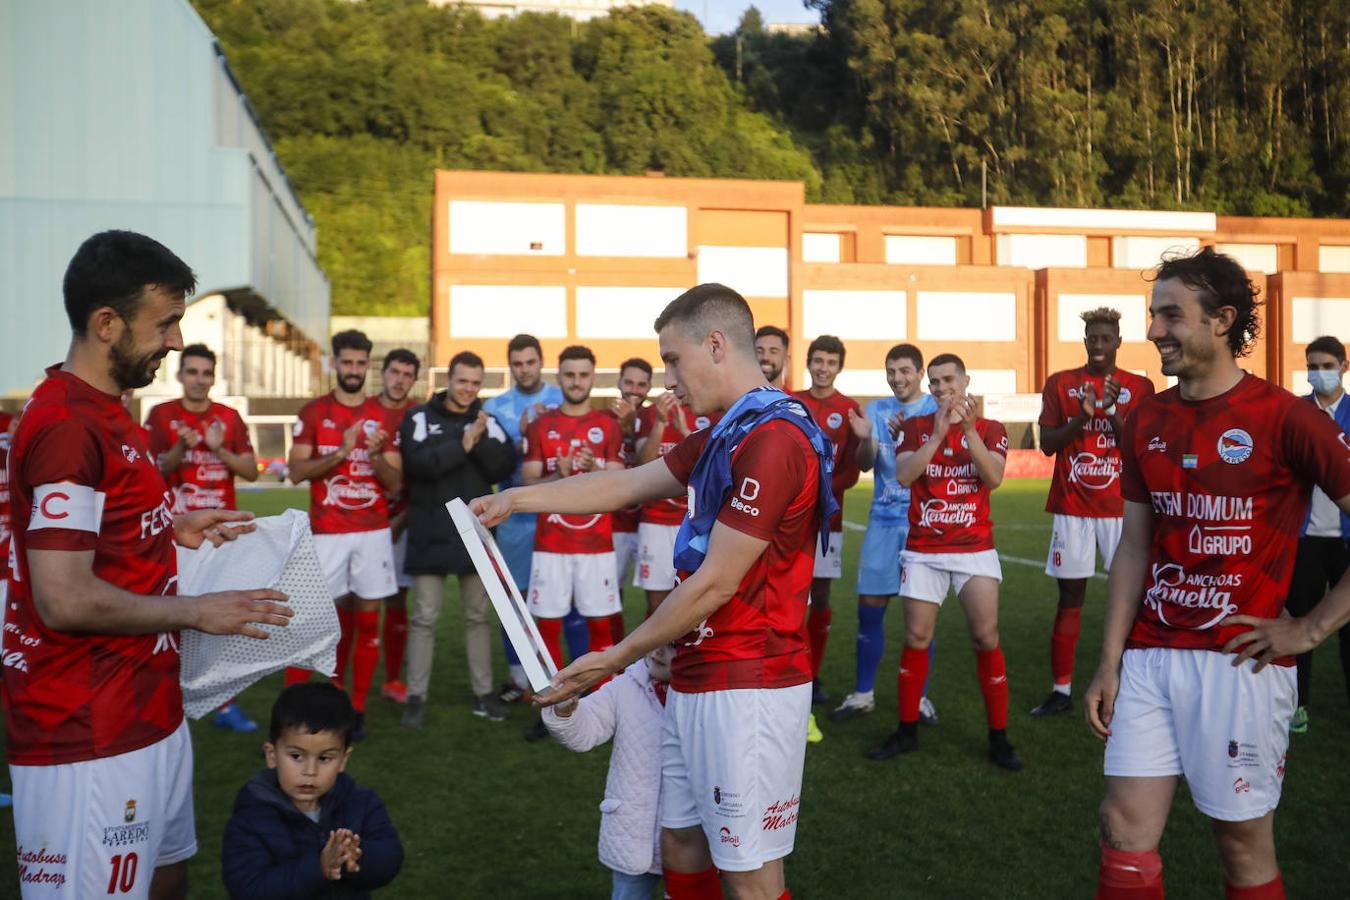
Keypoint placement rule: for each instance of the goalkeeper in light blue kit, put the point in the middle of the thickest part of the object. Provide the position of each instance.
(887, 524)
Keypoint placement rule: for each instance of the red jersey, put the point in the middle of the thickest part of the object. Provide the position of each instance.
(554, 433)
(949, 503)
(5, 420)
(1228, 480)
(831, 414)
(83, 481)
(758, 639)
(1087, 469)
(625, 521)
(670, 511)
(202, 480)
(393, 418)
(349, 498)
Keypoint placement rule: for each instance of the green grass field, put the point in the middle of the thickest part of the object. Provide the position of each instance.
(484, 814)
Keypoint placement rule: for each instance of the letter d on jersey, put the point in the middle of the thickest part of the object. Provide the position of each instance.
(749, 489)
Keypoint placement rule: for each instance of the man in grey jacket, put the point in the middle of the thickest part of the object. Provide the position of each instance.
(451, 448)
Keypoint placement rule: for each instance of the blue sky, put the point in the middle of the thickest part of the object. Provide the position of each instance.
(721, 16)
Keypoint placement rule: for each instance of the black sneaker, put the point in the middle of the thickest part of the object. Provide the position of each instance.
(414, 712)
(490, 708)
(1002, 754)
(537, 732)
(818, 694)
(359, 729)
(1055, 704)
(510, 692)
(902, 740)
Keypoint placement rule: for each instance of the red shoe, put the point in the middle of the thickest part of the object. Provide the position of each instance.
(396, 691)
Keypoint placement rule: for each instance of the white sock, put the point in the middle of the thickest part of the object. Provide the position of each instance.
(1064, 689)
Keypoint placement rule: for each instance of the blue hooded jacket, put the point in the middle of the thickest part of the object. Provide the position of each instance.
(271, 849)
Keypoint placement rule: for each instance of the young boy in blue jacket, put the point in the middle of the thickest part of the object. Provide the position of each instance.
(301, 827)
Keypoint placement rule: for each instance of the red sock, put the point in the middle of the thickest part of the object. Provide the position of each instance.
(913, 673)
(1063, 643)
(818, 626)
(551, 631)
(344, 647)
(395, 640)
(602, 638)
(366, 658)
(705, 885)
(994, 686)
(786, 895)
(616, 628)
(296, 676)
(1271, 890)
(1129, 876)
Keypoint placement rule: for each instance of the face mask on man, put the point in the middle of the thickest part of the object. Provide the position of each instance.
(1324, 381)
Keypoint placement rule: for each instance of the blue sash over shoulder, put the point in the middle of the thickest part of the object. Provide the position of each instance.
(711, 481)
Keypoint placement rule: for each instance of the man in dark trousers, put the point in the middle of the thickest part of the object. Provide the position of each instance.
(453, 449)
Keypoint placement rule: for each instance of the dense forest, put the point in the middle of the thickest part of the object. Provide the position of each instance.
(1237, 106)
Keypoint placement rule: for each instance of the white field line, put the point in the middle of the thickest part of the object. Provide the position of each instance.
(1003, 557)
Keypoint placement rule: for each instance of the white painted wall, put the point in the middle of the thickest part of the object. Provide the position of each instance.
(1147, 252)
(629, 230)
(819, 247)
(920, 250)
(1132, 307)
(1253, 257)
(1042, 251)
(864, 315)
(751, 271)
(621, 312)
(492, 310)
(1316, 316)
(496, 227)
(967, 316)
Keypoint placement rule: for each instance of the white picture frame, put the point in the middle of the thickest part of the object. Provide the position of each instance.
(505, 596)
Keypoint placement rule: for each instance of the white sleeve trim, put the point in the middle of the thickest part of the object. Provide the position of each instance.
(67, 506)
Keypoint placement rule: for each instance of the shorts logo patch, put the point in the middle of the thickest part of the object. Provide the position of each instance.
(1157, 443)
(1235, 446)
(1242, 786)
(728, 838)
(717, 795)
(1232, 749)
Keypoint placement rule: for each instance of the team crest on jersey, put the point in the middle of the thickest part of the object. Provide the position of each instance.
(369, 427)
(701, 423)
(329, 423)
(1235, 446)
(552, 435)
(130, 453)
(595, 436)
(1124, 396)
(130, 814)
(834, 420)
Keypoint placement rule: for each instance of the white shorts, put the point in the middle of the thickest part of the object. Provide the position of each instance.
(656, 557)
(359, 562)
(731, 762)
(102, 826)
(559, 580)
(1074, 542)
(928, 576)
(829, 564)
(625, 554)
(401, 578)
(1190, 713)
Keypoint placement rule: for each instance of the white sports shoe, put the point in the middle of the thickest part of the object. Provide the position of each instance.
(854, 705)
(927, 714)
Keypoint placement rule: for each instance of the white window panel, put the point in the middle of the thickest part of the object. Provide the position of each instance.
(493, 310)
(862, 315)
(984, 382)
(1043, 251)
(820, 248)
(967, 316)
(1123, 219)
(605, 229)
(855, 382)
(1253, 257)
(507, 228)
(751, 271)
(1148, 252)
(621, 312)
(1132, 307)
(1316, 316)
(1333, 258)
(920, 250)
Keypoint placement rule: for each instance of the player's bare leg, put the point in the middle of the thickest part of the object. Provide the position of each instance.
(1247, 850)
(765, 883)
(979, 601)
(687, 864)
(1063, 645)
(1132, 817)
(654, 599)
(169, 882)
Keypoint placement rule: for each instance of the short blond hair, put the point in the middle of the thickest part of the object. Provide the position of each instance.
(1102, 315)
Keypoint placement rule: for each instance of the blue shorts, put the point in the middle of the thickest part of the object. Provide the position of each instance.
(515, 538)
(879, 561)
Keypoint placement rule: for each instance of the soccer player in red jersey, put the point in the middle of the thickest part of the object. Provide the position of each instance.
(740, 684)
(831, 409)
(398, 374)
(635, 383)
(341, 447)
(201, 447)
(951, 461)
(1195, 679)
(99, 753)
(573, 555)
(1083, 414)
(771, 351)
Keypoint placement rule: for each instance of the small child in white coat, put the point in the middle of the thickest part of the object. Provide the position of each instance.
(629, 709)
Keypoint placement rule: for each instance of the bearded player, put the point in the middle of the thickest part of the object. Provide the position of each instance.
(951, 461)
(201, 447)
(98, 750)
(635, 383)
(740, 685)
(1083, 413)
(771, 351)
(398, 374)
(1196, 679)
(351, 462)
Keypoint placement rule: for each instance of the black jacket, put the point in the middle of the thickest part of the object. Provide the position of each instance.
(436, 470)
(271, 849)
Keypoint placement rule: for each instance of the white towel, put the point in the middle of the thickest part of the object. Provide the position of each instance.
(279, 555)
